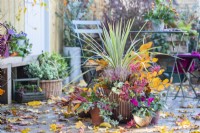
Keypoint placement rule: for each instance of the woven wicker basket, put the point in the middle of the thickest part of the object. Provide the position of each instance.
(51, 87)
(124, 108)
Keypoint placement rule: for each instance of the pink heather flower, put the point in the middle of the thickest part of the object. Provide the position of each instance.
(135, 67)
(134, 102)
(150, 100)
(143, 98)
(155, 68)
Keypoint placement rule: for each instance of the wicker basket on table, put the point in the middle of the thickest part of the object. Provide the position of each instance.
(4, 37)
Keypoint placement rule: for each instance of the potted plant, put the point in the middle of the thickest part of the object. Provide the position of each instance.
(50, 69)
(161, 13)
(128, 73)
(24, 92)
(18, 42)
(92, 101)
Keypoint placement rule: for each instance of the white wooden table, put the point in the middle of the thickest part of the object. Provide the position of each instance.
(9, 63)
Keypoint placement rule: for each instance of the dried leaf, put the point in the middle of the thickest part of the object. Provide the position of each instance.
(183, 122)
(26, 130)
(79, 124)
(34, 103)
(105, 124)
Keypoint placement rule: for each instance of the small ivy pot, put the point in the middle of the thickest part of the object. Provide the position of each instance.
(142, 122)
(95, 116)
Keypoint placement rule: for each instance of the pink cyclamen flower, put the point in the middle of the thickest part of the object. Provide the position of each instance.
(150, 100)
(134, 102)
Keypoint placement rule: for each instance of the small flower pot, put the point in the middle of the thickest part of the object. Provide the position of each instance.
(95, 116)
(155, 118)
(158, 26)
(142, 122)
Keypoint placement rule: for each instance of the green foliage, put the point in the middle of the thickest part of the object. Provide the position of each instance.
(114, 40)
(48, 67)
(161, 11)
(160, 43)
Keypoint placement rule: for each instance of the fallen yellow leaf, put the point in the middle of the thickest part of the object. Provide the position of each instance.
(184, 122)
(26, 130)
(105, 124)
(34, 103)
(79, 124)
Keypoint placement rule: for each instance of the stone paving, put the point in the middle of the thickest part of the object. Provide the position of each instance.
(16, 117)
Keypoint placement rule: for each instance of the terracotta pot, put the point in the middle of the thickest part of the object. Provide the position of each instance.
(96, 118)
(156, 118)
(142, 122)
(124, 108)
(14, 54)
(84, 115)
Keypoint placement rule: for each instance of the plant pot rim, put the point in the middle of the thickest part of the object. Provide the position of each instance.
(54, 80)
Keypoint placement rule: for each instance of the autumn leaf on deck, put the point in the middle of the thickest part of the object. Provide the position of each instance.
(183, 122)
(195, 131)
(79, 124)
(105, 124)
(34, 103)
(164, 129)
(55, 127)
(26, 130)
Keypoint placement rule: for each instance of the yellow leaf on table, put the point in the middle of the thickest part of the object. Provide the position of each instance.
(2, 92)
(79, 124)
(105, 124)
(34, 103)
(26, 130)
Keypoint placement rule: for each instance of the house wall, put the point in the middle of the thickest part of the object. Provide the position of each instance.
(9, 11)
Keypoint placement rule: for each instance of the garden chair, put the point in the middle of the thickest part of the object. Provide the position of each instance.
(79, 30)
